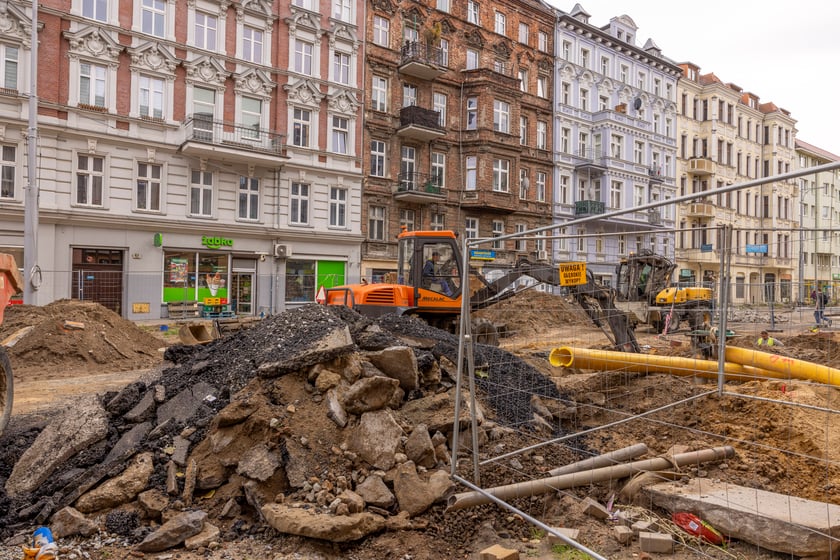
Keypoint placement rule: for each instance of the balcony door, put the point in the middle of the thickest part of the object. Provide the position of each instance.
(408, 166)
(204, 110)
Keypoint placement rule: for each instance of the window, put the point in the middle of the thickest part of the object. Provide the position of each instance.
(500, 66)
(543, 41)
(615, 194)
(443, 45)
(523, 130)
(565, 93)
(303, 57)
(563, 191)
(92, 84)
(638, 152)
(407, 219)
(252, 47)
(443, 5)
(151, 97)
(340, 133)
(249, 198)
(472, 12)
(148, 186)
(523, 33)
(342, 10)
(501, 116)
(657, 86)
(603, 102)
(338, 207)
(472, 113)
(9, 66)
(501, 23)
(471, 228)
(341, 67)
(524, 183)
(379, 94)
(95, 9)
(201, 193)
(542, 87)
(498, 231)
(472, 172)
(523, 80)
(376, 223)
(501, 172)
(299, 204)
(8, 164)
(565, 140)
(584, 58)
(205, 31)
(381, 30)
(301, 121)
(204, 110)
(153, 17)
(300, 280)
(542, 135)
(567, 50)
(623, 74)
(615, 146)
(541, 184)
(377, 158)
(520, 245)
(439, 105)
(409, 95)
(584, 99)
(472, 59)
(251, 117)
(605, 66)
(438, 168)
(438, 222)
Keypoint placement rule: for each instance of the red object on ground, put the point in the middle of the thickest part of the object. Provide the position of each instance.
(693, 525)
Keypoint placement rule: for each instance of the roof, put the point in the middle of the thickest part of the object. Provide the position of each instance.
(802, 145)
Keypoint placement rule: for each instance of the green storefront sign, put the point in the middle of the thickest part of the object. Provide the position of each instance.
(216, 242)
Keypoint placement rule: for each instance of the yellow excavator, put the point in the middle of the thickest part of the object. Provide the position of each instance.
(427, 284)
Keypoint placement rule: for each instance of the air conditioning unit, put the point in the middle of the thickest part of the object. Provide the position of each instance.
(282, 251)
(542, 255)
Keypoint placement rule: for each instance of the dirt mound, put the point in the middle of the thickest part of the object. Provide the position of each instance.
(77, 336)
(530, 312)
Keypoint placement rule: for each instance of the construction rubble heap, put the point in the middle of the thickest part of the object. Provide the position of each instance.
(316, 422)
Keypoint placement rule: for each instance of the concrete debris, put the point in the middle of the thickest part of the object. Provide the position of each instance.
(778, 522)
(315, 422)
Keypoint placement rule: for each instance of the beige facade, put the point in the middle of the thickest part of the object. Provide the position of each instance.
(726, 137)
(818, 240)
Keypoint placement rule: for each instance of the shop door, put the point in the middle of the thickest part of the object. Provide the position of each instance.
(242, 293)
(98, 276)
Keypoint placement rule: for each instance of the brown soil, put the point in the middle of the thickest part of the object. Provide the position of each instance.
(779, 448)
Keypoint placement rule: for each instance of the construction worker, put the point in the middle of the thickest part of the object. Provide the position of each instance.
(766, 340)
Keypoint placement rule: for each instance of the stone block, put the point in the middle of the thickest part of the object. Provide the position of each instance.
(498, 552)
(656, 542)
(643, 527)
(594, 509)
(573, 534)
(623, 534)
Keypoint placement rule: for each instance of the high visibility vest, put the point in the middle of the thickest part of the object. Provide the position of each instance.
(769, 342)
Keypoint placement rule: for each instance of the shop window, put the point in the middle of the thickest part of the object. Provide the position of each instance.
(300, 280)
(190, 276)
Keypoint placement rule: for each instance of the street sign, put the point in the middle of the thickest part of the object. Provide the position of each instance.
(572, 273)
(322, 295)
(482, 254)
(759, 249)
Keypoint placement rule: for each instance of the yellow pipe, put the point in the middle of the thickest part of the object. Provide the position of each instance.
(587, 358)
(785, 367)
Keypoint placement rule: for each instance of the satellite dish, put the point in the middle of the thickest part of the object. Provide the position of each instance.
(637, 103)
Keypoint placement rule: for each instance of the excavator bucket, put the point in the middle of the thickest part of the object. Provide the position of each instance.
(195, 333)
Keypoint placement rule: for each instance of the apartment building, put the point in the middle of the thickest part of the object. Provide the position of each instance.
(817, 239)
(614, 142)
(728, 136)
(457, 124)
(186, 150)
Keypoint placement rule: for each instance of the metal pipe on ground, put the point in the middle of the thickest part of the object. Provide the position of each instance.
(570, 480)
(605, 460)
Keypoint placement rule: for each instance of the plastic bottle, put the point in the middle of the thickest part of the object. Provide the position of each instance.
(45, 543)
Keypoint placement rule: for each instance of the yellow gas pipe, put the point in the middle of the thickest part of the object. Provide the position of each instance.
(588, 358)
(785, 367)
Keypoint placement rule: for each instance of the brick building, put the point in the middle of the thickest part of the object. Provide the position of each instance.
(186, 150)
(457, 123)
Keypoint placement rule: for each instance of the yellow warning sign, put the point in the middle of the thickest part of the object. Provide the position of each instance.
(572, 273)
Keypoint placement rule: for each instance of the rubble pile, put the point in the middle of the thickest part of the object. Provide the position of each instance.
(317, 423)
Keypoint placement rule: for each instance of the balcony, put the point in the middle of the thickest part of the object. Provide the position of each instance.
(655, 174)
(654, 217)
(593, 163)
(701, 166)
(422, 61)
(490, 201)
(417, 123)
(231, 142)
(419, 188)
(589, 207)
(700, 210)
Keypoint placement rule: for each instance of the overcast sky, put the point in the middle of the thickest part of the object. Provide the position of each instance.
(784, 52)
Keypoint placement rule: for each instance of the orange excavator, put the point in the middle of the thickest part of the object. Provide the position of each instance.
(10, 284)
(427, 284)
